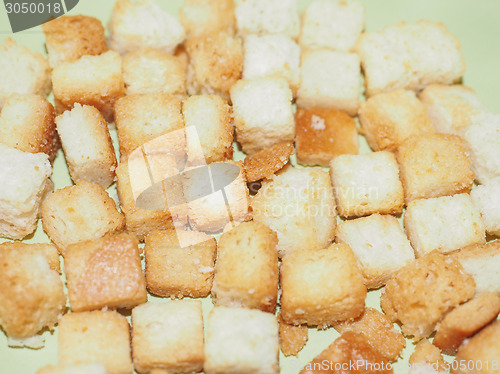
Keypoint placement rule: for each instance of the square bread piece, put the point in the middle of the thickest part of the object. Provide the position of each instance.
(99, 336)
(246, 272)
(272, 55)
(241, 341)
(94, 368)
(323, 134)
(329, 79)
(91, 80)
(379, 245)
(483, 143)
(169, 336)
(179, 263)
(138, 24)
(68, 38)
(443, 223)
(105, 273)
(434, 165)
(150, 70)
(31, 290)
(367, 184)
(387, 119)
(268, 17)
(486, 199)
(451, 108)
(321, 287)
(298, 204)
(206, 16)
(24, 183)
(410, 56)
(210, 138)
(23, 71)
(263, 113)
(422, 292)
(27, 123)
(87, 145)
(334, 24)
(78, 213)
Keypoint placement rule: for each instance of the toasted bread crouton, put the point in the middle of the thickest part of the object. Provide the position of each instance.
(179, 263)
(387, 119)
(176, 341)
(299, 205)
(241, 341)
(93, 368)
(443, 223)
(70, 37)
(91, 80)
(78, 213)
(334, 24)
(486, 199)
(321, 287)
(451, 108)
(427, 358)
(27, 123)
(138, 24)
(87, 145)
(323, 134)
(266, 162)
(434, 165)
(379, 245)
(98, 336)
(23, 71)
(206, 16)
(410, 56)
(422, 292)
(24, 183)
(292, 338)
(329, 79)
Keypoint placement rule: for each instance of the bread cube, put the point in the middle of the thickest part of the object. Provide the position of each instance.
(323, 134)
(451, 108)
(206, 16)
(379, 245)
(410, 56)
(427, 359)
(87, 145)
(70, 37)
(105, 273)
(332, 24)
(24, 183)
(31, 290)
(168, 336)
(378, 331)
(211, 137)
(387, 119)
(23, 71)
(179, 263)
(241, 341)
(27, 123)
(486, 199)
(94, 368)
(483, 143)
(298, 204)
(98, 336)
(329, 80)
(138, 24)
(272, 55)
(434, 165)
(443, 223)
(482, 261)
(422, 292)
(247, 276)
(335, 293)
(292, 338)
(266, 162)
(216, 63)
(78, 213)
(91, 80)
(263, 113)
(367, 184)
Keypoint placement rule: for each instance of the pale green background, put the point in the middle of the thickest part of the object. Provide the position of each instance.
(476, 25)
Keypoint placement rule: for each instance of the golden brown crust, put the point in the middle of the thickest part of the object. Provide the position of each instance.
(266, 162)
(292, 338)
(426, 353)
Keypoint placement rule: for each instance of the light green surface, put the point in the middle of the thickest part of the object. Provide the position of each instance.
(476, 25)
